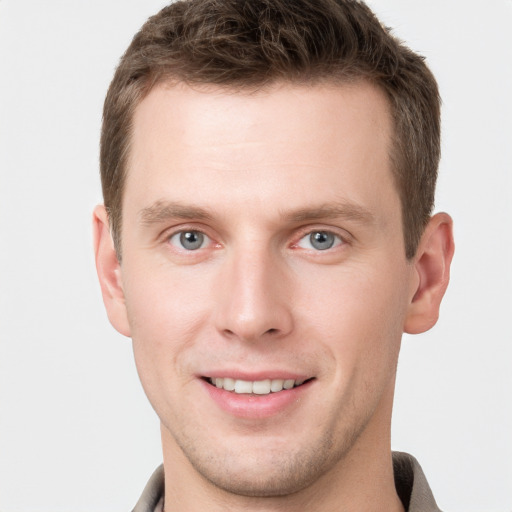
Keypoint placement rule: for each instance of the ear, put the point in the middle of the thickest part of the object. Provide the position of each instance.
(432, 269)
(109, 272)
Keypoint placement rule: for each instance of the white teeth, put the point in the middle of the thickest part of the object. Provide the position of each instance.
(243, 386)
(276, 385)
(229, 384)
(288, 384)
(261, 387)
(258, 387)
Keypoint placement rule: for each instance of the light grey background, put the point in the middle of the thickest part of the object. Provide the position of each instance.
(76, 432)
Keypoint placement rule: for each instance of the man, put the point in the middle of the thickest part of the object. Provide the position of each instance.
(268, 170)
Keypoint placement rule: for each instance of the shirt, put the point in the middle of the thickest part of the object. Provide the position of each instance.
(410, 482)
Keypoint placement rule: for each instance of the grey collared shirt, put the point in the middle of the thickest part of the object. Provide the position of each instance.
(410, 482)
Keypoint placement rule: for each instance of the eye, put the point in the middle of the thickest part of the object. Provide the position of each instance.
(189, 240)
(320, 241)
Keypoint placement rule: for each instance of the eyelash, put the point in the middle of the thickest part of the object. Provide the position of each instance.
(337, 240)
(182, 232)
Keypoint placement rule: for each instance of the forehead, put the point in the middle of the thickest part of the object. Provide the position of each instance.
(226, 145)
(228, 114)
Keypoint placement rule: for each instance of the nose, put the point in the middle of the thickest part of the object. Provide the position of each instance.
(255, 300)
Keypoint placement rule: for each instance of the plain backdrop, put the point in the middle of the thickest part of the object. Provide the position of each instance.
(76, 432)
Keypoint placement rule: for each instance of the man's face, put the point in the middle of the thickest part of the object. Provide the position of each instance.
(262, 247)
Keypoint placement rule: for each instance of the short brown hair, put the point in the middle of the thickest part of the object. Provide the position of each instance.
(254, 43)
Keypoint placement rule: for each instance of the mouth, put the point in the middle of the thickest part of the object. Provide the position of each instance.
(257, 387)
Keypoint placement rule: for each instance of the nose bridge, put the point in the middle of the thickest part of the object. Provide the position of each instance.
(254, 302)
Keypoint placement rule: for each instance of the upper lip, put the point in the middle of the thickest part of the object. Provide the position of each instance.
(256, 376)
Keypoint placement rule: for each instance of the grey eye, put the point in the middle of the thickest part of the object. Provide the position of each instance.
(320, 240)
(189, 240)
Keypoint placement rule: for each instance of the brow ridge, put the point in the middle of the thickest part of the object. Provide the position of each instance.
(345, 210)
(160, 211)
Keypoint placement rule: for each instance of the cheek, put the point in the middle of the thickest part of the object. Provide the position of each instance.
(164, 300)
(358, 315)
(166, 311)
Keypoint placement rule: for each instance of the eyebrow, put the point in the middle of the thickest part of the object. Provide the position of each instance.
(349, 211)
(161, 211)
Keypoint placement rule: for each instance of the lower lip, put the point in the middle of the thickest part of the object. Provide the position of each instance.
(256, 406)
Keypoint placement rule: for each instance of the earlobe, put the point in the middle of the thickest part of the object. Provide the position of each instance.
(432, 273)
(109, 272)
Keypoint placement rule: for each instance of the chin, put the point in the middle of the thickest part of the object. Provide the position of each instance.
(272, 479)
(267, 472)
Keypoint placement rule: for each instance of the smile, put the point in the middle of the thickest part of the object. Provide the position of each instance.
(257, 387)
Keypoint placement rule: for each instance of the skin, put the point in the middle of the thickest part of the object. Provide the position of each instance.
(257, 173)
